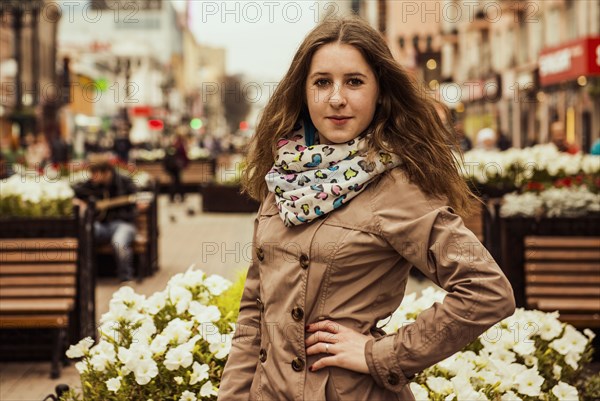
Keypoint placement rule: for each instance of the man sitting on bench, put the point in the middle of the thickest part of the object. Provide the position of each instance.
(116, 214)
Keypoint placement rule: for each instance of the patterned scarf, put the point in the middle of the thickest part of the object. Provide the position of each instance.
(310, 181)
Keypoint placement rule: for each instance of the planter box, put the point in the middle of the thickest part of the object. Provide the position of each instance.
(513, 231)
(226, 199)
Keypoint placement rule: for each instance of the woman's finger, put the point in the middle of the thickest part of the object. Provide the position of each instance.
(322, 363)
(320, 348)
(320, 336)
(325, 325)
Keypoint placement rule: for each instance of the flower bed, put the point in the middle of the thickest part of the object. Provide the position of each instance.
(35, 196)
(174, 344)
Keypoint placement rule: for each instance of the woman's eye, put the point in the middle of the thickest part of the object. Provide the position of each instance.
(321, 82)
(356, 82)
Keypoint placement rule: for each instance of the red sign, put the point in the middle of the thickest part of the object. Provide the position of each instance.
(141, 111)
(569, 61)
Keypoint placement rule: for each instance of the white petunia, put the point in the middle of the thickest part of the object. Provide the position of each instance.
(113, 384)
(199, 373)
(216, 284)
(80, 349)
(565, 392)
(440, 385)
(207, 389)
(221, 348)
(188, 396)
(204, 313)
(178, 380)
(510, 396)
(529, 382)
(420, 393)
(145, 371)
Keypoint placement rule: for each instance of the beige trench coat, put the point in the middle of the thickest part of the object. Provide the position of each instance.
(351, 266)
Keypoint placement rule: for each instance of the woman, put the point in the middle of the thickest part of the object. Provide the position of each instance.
(363, 187)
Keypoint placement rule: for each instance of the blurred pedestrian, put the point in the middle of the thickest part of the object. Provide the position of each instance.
(558, 137)
(503, 142)
(486, 139)
(463, 140)
(174, 162)
(37, 153)
(358, 186)
(122, 145)
(116, 225)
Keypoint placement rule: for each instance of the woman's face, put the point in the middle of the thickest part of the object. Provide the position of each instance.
(341, 93)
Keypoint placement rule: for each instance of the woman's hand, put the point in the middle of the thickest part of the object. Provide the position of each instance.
(345, 346)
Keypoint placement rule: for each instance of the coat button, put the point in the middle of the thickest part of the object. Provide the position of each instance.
(260, 254)
(298, 364)
(297, 313)
(262, 355)
(304, 261)
(260, 305)
(393, 379)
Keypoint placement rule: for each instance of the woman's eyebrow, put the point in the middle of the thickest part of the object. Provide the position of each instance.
(346, 75)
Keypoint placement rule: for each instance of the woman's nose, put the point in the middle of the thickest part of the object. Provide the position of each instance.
(337, 97)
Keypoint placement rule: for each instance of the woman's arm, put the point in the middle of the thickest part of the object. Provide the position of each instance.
(435, 240)
(243, 357)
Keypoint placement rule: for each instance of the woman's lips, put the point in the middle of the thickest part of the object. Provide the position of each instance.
(339, 121)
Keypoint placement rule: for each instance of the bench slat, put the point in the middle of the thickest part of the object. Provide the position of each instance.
(34, 321)
(58, 268)
(38, 257)
(35, 244)
(25, 281)
(555, 291)
(562, 267)
(562, 242)
(564, 279)
(547, 254)
(567, 304)
(37, 292)
(36, 306)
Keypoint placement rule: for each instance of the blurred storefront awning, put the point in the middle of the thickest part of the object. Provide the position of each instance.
(570, 61)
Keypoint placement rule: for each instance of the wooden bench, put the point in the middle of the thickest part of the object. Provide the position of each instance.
(38, 287)
(563, 273)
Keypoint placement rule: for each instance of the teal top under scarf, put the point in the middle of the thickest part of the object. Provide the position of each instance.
(310, 180)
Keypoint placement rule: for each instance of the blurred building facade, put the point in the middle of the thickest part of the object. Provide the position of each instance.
(512, 65)
(30, 75)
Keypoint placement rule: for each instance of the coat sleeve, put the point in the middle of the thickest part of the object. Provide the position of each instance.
(432, 238)
(245, 346)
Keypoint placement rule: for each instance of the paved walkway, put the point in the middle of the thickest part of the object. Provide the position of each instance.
(215, 243)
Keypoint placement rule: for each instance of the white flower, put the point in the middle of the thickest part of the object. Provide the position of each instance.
(203, 313)
(439, 385)
(465, 391)
(221, 348)
(589, 334)
(113, 384)
(216, 284)
(199, 373)
(178, 330)
(80, 349)
(180, 297)
(145, 371)
(529, 382)
(419, 391)
(159, 344)
(155, 302)
(556, 371)
(179, 356)
(188, 396)
(81, 367)
(207, 389)
(510, 396)
(565, 392)
(178, 380)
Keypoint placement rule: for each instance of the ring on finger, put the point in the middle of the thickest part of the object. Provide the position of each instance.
(327, 348)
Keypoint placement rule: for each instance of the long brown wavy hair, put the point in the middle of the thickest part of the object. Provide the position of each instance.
(405, 123)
